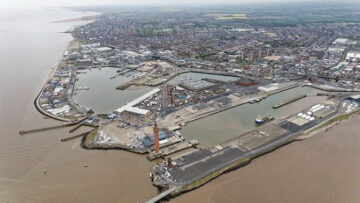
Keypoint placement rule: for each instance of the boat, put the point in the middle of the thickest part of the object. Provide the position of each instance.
(252, 101)
(261, 120)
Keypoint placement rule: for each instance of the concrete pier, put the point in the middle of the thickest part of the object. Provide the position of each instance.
(75, 136)
(75, 128)
(22, 132)
(289, 101)
(162, 195)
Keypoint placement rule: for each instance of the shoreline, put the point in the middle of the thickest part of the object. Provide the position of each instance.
(71, 45)
(83, 18)
(47, 79)
(74, 43)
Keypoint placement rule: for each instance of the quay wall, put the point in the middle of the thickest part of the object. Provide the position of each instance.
(238, 104)
(234, 164)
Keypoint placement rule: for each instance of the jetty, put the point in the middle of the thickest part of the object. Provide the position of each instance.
(162, 195)
(22, 132)
(75, 136)
(289, 101)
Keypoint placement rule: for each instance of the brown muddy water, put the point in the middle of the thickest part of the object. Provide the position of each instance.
(323, 168)
(31, 44)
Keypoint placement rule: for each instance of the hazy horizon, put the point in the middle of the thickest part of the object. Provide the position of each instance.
(16, 4)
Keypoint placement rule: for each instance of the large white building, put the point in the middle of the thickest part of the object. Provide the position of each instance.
(130, 106)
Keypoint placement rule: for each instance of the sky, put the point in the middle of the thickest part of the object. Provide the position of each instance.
(13, 4)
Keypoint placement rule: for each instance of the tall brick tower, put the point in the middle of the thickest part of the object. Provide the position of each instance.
(156, 138)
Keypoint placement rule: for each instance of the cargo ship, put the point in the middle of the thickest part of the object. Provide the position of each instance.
(261, 120)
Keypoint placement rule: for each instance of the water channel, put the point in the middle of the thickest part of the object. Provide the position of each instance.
(228, 124)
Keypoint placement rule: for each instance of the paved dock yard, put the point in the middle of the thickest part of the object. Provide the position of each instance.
(199, 165)
(172, 149)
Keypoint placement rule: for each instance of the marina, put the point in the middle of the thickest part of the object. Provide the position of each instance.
(102, 97)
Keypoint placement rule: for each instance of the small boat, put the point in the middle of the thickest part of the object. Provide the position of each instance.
(261, 120)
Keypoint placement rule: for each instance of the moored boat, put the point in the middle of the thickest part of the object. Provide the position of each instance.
(261, 120)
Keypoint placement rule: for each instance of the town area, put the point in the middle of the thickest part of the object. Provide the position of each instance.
(181, 67)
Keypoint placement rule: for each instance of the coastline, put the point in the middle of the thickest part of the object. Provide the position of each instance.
(83, 18)
(240, 161)
(47, 79)
(74, 43)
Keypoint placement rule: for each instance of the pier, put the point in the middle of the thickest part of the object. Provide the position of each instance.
(75, 136)
(22, 132)
(289, 101)
(162, 195)
(75, 128)
(283, 89)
